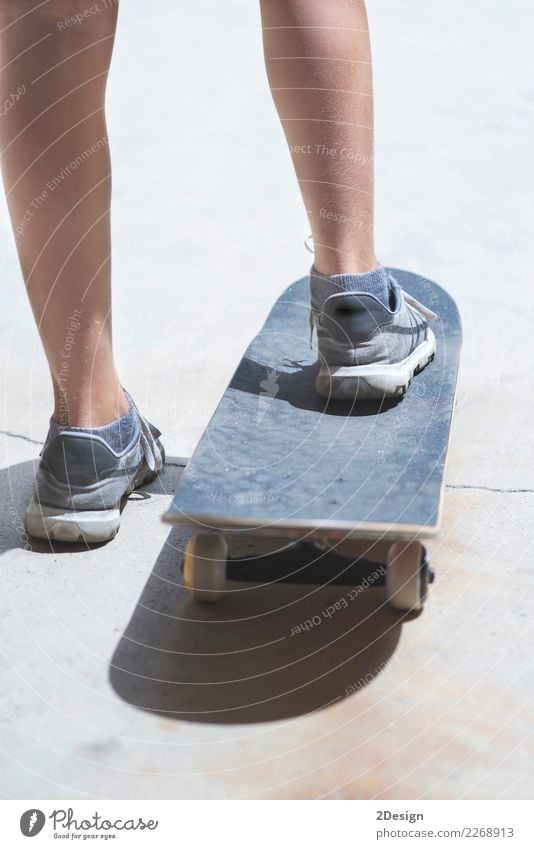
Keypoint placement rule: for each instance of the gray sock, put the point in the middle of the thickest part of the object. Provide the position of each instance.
(374, 282)
(117, 434)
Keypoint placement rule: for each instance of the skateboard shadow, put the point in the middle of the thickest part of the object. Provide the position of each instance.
(254, 657)
(296, 387)
(236, 662)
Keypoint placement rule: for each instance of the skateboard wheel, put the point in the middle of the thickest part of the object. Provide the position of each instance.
(407, 576)
(205, 567)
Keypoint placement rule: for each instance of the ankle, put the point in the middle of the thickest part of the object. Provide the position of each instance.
(329, 263)
(90, 409)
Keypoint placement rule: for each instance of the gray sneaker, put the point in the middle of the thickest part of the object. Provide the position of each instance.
(368, 350)
(81, 482)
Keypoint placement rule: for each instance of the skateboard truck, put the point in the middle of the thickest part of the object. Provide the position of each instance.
(206, 566)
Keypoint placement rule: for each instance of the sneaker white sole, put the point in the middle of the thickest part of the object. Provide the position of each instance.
(88, 526)
(362, 383)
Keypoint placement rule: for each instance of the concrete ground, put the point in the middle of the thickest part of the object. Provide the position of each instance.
(104, 661)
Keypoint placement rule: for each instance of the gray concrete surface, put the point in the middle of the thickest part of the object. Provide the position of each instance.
(208, 229)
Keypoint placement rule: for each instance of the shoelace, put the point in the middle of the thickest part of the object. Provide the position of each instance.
(425, 312)
(152, 452)
(153, 455)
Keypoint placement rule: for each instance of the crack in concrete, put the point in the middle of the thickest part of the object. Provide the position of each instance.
(486, 488)
(20, 436)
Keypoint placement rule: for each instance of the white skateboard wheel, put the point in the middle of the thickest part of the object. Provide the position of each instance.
(205, 567)
(406, 576)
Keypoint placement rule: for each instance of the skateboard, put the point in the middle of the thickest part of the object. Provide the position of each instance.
(361, 481)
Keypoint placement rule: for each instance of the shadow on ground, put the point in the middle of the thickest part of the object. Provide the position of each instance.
(16, 482)
(16, 487)
(234, 662)
(297, 387)
(237, 661)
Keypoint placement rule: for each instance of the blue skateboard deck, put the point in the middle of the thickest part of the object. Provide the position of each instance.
(276, 458)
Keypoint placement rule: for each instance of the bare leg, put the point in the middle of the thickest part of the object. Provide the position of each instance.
(318, 63)
(57, 176)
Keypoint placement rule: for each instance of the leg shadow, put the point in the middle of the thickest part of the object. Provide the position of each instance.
(296, 386)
